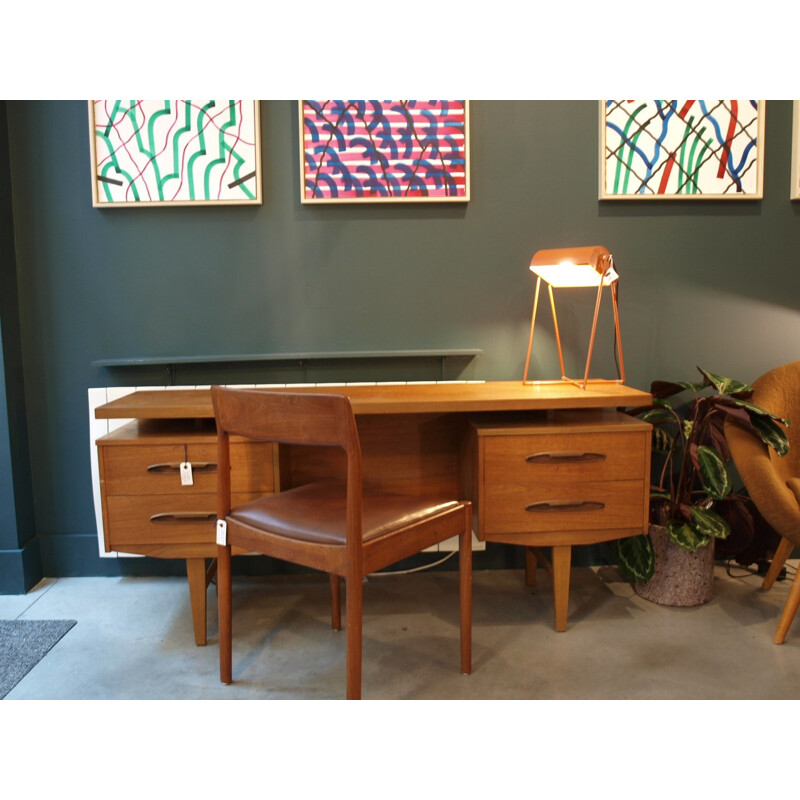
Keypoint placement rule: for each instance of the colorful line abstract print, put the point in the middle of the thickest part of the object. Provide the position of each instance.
(175, 151)
(384, 150)
(681, 148)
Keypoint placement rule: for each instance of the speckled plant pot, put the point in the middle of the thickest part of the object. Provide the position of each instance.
(681, 578)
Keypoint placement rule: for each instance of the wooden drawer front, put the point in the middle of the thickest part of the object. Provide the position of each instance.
(164, 519)
(252, 467)
(132, 469)
(563, 505)
(529, 459)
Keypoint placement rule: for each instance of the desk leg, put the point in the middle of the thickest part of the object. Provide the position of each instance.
(533, 555)
(531, 562)
(562, 557)
(196, 572)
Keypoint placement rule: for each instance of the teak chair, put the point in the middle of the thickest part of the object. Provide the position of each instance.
(772, 481)
(337, 526)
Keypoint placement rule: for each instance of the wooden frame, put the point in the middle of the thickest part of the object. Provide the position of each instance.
(175, 152)
(681, 149)
(794, 193)
(368, 151)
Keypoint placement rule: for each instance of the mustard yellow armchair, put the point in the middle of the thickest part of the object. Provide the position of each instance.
(772, 481)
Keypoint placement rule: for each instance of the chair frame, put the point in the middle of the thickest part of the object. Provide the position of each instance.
(296, 418)
(774, 499)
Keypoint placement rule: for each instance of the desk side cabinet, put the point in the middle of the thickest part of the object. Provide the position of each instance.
(566, 478)
(150, 509)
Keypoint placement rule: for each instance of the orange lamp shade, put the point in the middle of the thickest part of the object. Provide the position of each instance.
(574, 266)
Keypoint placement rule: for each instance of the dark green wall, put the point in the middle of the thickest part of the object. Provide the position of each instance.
(709, 283)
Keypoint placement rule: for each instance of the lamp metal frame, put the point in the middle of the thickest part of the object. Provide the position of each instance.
(586, 380)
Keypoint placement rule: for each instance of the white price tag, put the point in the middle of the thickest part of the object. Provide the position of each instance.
(186, 474)
(222, 532)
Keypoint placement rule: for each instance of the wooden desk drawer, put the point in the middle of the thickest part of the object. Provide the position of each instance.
(164, 519)
(132, 469)
(563, 505)
(528, 459)
(581, 476)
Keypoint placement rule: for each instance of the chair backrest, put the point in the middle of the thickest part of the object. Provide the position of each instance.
(763, 471)
(293, 418)
(286, 417)
(778, 391)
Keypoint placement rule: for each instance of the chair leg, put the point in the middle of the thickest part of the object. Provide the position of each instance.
(336, 602)
(778, 560)
(465, 591)
(224, 604)
(354, 610)
(789, 610)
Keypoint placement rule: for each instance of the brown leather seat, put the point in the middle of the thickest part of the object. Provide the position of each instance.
(337, 526)
(772, 481)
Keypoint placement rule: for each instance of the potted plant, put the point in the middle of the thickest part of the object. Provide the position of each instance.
(691, 501)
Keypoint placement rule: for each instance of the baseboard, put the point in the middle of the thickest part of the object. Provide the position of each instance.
(20, 569)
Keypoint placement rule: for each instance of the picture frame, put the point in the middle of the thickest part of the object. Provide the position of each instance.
(681, 149)
(148, 153)
(794, 193)
(384, 151)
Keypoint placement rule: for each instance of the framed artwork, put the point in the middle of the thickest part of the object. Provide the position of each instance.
(175, 152)
(681, 149)
(795, 191)
(356, 151)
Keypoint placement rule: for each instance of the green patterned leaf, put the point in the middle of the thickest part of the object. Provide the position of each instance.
(657, 415)
(662, 441)
(713, 472)
(636, 558)
(771, 434)
(766, 424)
(752, 409)
(709, 524)
(661, 389)
(685, 536)
(725, 385)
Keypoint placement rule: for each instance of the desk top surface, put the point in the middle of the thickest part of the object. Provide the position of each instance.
(389, 398)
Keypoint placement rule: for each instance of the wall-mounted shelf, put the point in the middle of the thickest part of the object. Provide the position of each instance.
(296, 359)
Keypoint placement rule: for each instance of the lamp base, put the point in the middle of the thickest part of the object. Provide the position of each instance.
(581, 384)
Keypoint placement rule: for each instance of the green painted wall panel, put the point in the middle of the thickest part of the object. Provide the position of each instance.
(709, 283)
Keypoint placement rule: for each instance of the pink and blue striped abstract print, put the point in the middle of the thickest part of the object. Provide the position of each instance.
(384, 150)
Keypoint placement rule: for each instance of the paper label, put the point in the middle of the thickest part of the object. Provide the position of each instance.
(222, 532)
(186, 474)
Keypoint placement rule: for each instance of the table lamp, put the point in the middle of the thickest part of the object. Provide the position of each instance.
(573, 267)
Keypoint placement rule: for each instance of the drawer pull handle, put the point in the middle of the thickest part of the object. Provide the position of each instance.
(175, 517)
(558, 456)
(174, 466)
(565, 505)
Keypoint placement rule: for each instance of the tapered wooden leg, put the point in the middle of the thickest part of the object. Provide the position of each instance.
(531, 563)
(196, 572)
(336, 602)
(354, 610)
(562, 557)
(778, 560)
(465, 592)
(224, 605)
(789, 610)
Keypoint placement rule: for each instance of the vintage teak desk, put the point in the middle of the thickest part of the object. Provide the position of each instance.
(546, 465)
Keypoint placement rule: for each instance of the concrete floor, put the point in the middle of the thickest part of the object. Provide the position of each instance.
(134, 640)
